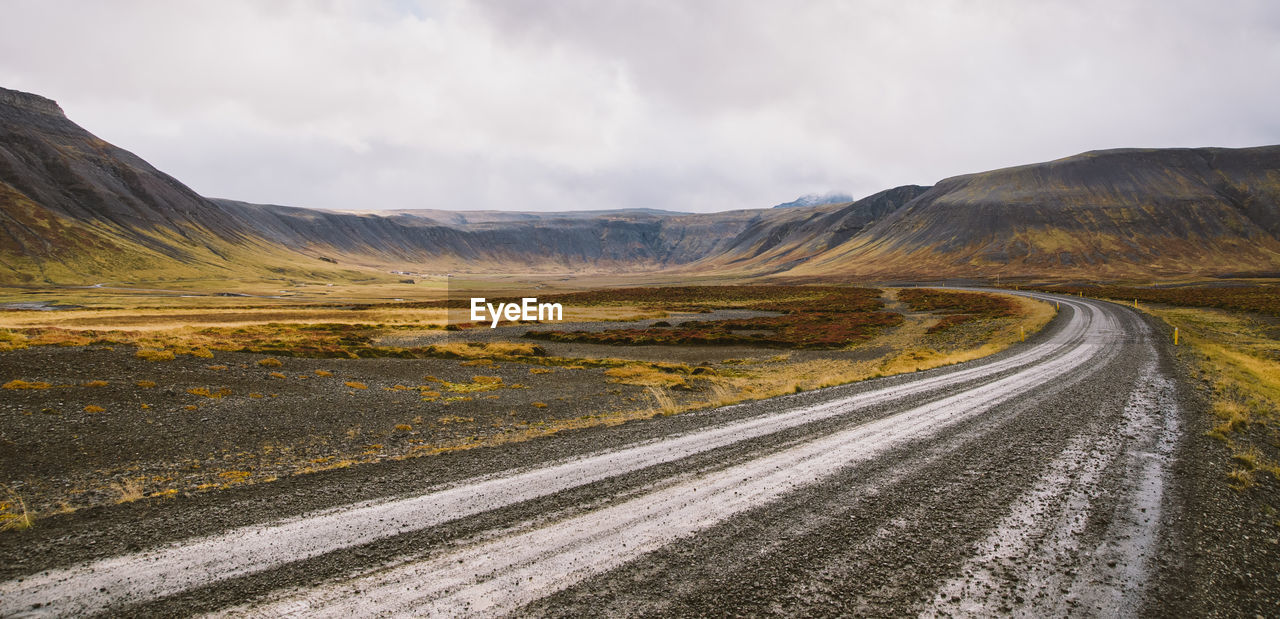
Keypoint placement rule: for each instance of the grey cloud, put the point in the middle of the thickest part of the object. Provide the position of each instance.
(599, 104)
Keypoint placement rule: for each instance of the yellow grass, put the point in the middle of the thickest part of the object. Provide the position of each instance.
(11, 341)
(14, 515)
(489, 350)
(647, 375)
(663, 403)
(478, 383)
(1235, 353)
(208, 393)
(129, 490)
(175, 319)
(18, 383)
(151, 354)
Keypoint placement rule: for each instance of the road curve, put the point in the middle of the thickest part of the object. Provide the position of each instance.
(1030, 482)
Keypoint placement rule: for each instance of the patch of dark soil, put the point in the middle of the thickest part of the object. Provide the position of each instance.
(142, 429)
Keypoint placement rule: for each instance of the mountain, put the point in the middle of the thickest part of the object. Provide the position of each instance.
(1114, 214)
(814, 199)
(77, 210)
(775, 244)
(435, 241)
(493, 242)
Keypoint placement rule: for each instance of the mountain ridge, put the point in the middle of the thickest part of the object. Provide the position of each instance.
(1112, 213)
(77, 209)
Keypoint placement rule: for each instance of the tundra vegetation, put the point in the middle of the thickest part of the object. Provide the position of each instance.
(247, 395)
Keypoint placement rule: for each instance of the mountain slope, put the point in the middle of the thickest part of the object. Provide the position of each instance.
(1106, 214)
(76, 209)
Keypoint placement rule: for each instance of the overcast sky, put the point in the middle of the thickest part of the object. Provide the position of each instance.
(684, 105)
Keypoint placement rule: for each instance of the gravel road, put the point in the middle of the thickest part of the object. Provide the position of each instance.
(1041, 481)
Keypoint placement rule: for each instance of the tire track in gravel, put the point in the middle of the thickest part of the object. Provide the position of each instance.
(1024, 555)
(870, 541)
(528, 564)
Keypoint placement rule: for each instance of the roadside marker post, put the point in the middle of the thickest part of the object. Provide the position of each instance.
(1175, 336)
(1022, 333)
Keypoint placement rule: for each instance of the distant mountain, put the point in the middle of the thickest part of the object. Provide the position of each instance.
(605, 241)
(1114, 214)
(772, 245)
(814, 199)
(77, 210)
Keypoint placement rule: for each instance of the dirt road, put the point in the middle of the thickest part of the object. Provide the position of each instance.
(1040, 481)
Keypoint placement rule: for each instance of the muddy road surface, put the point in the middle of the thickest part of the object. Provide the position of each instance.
(1042, 481)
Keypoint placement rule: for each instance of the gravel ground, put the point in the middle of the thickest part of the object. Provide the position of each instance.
(1092, 493)
(54, 451)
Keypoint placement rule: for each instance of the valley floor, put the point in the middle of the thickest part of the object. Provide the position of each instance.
(85, 425)
(1070, 474)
